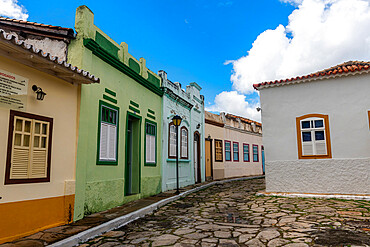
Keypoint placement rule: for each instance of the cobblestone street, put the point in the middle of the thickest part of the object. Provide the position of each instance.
(231, 215)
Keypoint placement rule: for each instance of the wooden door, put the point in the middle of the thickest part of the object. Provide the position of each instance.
(208, 159)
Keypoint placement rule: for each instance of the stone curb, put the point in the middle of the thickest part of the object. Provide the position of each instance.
(125, 219)
(322, 196)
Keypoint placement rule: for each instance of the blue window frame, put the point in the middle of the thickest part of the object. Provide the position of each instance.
(246, 152)
(255, 153)
(235, 151)
(227, 151)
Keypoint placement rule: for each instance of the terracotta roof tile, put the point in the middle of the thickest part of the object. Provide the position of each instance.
(247, 120)
(20, 43)
(347, 67)
(33, 23)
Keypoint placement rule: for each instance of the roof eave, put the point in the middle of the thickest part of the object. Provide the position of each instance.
(37, 59)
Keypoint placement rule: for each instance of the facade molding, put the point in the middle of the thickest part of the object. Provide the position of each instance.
(171, 95)
(100, 52)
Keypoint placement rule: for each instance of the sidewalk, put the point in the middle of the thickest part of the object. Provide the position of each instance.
(98, 223)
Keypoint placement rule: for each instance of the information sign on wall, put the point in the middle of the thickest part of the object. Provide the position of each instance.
(13, 91)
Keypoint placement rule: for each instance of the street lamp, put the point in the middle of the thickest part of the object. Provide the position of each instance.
(176, 120)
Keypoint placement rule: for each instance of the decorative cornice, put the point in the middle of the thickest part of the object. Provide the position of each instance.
(100, 52)
(168, 92)
(241, 130)
(212, 122)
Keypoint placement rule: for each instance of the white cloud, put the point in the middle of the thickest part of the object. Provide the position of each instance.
(235, 103)
(320, 34)
(11, 8)
(293, 2)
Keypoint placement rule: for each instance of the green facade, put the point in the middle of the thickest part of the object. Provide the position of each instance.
(127, 98)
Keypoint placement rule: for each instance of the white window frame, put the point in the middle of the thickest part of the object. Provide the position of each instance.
(172, 141)
(150, 144)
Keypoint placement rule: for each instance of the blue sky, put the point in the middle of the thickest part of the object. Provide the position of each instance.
(192, 39)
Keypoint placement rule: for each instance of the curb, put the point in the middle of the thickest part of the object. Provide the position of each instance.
(321, 196)
(125, 219)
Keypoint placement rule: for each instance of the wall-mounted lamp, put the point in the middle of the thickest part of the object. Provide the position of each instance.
(209, 138)
(258, 109)
(198, 126)
(39, 93)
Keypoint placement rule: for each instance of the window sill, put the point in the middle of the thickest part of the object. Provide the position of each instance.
(180, 160)
(107, 163)
(150, 164)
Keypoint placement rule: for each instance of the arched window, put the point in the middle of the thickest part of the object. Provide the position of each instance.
(313, 136)
(171, 141)
(184, 143)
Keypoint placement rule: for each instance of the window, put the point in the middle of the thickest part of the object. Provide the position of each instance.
(246, 152)
(184, 143)
(313, 136)
(227, 151)
(235, 151)
(108, 134)
(255, 153)
(29, 148)
(172, 141)
(150, 143)
(218, 150)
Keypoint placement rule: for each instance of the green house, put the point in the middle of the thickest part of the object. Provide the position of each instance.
(118, 145)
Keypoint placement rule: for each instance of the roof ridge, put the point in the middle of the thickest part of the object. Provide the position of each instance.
(346, 67)
(2, 18)
(243, 118)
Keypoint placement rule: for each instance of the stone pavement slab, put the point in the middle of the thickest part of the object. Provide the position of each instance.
(231, 214)
(52, 235)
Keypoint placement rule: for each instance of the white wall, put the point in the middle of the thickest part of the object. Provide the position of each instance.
(346, 101)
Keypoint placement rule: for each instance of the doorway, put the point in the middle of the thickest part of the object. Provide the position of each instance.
(197, 168)
(132, 169)
(209, 170)
(263, 160)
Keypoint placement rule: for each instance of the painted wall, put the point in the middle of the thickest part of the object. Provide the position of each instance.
(57, 48)
(177, 101)
(31, 207)
(100, 187)
(234, 131)
(198, 122)
(345, 100)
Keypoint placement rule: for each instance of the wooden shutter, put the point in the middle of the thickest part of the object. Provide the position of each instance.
(104, 136)
(320, 148)
(147, 148)
(184, 143)
(172, 141)
(307, 148)
(39, 145)
(150, 140)
(21, 149)
(19, 163)
(112, 142)
(150, 149)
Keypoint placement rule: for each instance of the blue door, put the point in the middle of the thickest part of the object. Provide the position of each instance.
(263, 160)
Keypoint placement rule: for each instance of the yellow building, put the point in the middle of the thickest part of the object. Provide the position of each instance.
(38, 138)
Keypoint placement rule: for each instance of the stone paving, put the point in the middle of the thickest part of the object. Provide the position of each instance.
(232, 215)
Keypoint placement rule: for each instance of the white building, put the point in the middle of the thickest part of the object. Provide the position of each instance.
(316, 131)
